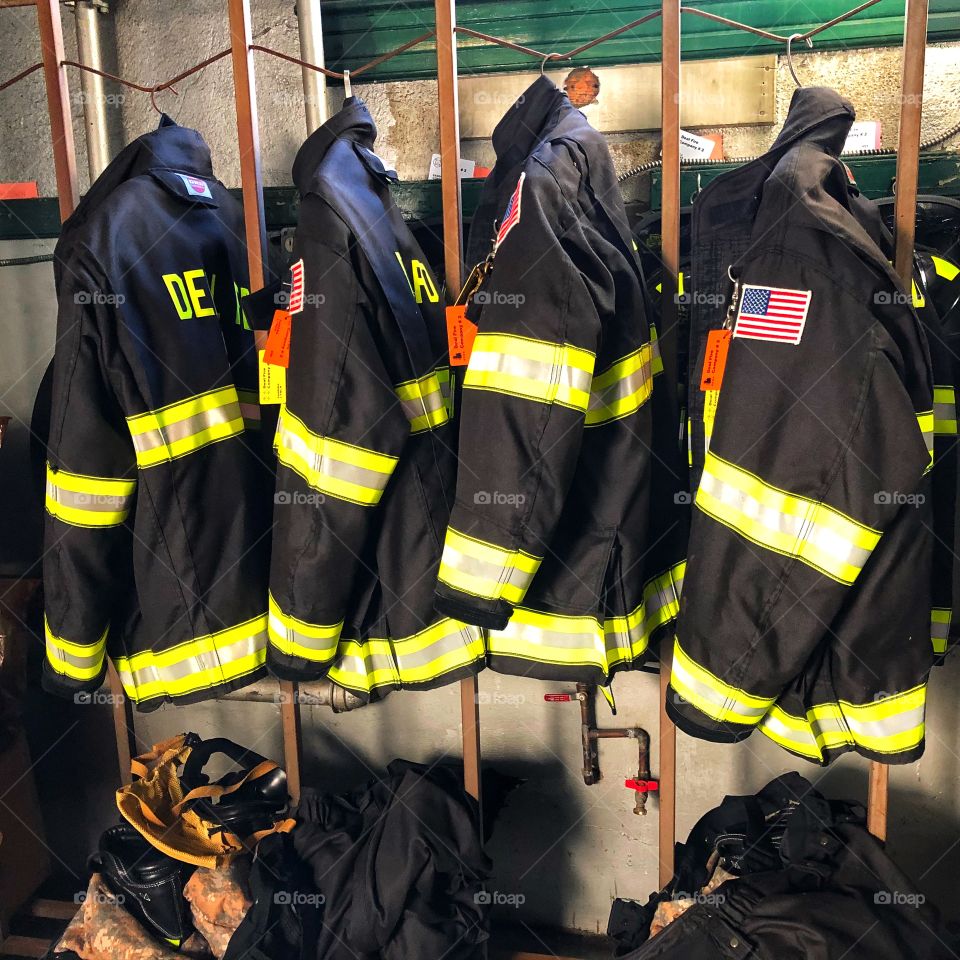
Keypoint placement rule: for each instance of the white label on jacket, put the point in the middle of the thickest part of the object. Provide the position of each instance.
(196, 186)
(772, 313)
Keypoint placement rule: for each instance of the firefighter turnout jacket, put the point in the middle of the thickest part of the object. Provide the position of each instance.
(551, 546)
(365, 443)
(806, 602)
(156, 529)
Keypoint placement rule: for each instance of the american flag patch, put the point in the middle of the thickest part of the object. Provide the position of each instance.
(295, 304)
(772, 313)
(511, 216)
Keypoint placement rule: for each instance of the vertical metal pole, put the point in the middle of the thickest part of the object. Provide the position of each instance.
(446, 19)
(905, 215)
(90, 48)
(311, 50)
(248, 134)
(65, 164)
(58, 103)
(670, 255)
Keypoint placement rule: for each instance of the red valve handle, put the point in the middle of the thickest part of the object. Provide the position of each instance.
(557, 697)
(642, 786)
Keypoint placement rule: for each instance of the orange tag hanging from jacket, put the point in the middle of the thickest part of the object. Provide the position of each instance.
(715, 359)
(277, 350)
(461, 333)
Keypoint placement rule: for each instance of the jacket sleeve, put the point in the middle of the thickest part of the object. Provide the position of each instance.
(525, 395)
(91, 488)
(817, 447)
(338, 441)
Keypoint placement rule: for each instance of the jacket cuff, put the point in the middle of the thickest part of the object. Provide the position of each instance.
(489, 614)
(80, 691)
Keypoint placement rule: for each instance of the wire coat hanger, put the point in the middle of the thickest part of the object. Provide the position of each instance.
(793, 72)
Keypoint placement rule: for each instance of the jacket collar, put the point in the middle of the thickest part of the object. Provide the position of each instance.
(353, 122)
(534, 116)
(816, 114)
(169, 147)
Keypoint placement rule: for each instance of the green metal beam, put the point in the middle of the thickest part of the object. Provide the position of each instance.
(356, 33)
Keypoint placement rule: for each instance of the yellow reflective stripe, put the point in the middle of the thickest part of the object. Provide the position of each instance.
(446, 388)
(85, 501)
(199, 664)
(657, 361)
(424, 657)
(816, 534)
(622, 389)
(331, 466)
(298, 638)
(423, 402)
(532, 369)
(485, 570)
(893, 724)
(925, 421)
(945, 268)
(711, 696)
(940, 628)
(944, 410)
(183, 427)
(76, 661)
(583, 640)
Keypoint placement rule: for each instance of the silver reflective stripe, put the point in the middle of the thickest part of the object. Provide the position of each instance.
(283, 630)
(184, 429)
(97, 502)
(725, 705)
(458, 637)
(420, 406)
(366, 663)
(801, 529)
(91, 660)
(889, 726)
(323, 463)
(546, 637)
(485, 570)
(621, 389)
(530, 369)
(210, 660)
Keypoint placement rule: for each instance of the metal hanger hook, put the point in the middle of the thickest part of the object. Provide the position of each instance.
(549, 56)
(347, 86)
(153, 96)
(790, 39)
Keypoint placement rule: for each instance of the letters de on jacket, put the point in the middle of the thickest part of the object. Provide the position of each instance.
(776, 314)
(511, 216)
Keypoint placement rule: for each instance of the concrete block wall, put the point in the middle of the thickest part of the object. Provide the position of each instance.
(567, 849)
